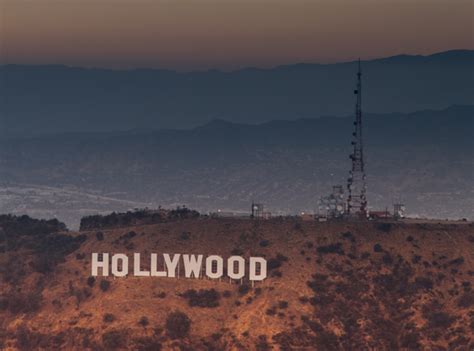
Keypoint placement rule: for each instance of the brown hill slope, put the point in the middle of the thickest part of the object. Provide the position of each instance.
(331, 286)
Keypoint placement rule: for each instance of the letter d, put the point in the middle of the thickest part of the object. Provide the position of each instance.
(261, 273)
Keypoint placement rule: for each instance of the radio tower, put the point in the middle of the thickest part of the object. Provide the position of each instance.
(357, 202)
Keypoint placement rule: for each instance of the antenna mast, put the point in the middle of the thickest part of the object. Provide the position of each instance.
(357, 202)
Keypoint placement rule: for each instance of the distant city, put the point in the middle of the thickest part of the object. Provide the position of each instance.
(120, 153)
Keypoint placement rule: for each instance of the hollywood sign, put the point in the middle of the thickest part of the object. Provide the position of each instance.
(118, 265)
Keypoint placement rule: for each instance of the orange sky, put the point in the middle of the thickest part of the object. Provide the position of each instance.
(227, 34)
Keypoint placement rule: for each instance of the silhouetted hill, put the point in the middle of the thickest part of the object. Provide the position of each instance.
(423, 159)
(52, 99)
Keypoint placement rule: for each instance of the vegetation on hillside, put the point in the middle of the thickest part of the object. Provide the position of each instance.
(330, 286)
(137, 217)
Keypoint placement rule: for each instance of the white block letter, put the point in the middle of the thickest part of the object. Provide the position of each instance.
(96, 264)
(154, 267)
(124, 263)
(171, 264)
(136, 267)
(219, 267)
(262, 263)
(231, 271)
(192, 265)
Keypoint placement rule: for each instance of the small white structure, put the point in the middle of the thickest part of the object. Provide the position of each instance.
(398, 210)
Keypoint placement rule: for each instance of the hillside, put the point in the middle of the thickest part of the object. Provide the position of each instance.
(331, 286)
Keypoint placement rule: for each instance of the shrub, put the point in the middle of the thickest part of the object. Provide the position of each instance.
(264, 243)
(466, 300)
(147, 343)
(90, 281)
(303, 299)
(276, 274)
(130, 246)
(22, 302)
(387, 259)
(410, 341)
(141, 216)
(177, 325)
(114, 339)
(276, 262)
(348, 235)
(60, 245)
(331, 249)
(202, 298)
(327, 341)
(384, 227)
(273, 263)
(457, 261)
(130, 234)
(16, 226)
(79, 294)
(262, 344)
(108, 318)
(99, 236)
(44, 263)
(51, 249)
(27, 339)
(440, 319)
(271, 311)
(423, 283)
(182, 213)
(237, 252)
(143, 321)
(378, 248)
(244, 289)
(185, 236)
(104, 285)
(282, 304)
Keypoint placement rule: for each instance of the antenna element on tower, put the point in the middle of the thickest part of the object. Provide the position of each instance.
(356, 201)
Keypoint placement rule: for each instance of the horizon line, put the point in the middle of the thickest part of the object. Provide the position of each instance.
(232, 70)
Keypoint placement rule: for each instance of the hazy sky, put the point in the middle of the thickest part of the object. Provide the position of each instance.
(227, 34)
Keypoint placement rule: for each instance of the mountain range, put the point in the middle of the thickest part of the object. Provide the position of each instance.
(51, 99)
(424, 159)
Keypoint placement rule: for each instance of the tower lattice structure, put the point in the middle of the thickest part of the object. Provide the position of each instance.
(356, 183)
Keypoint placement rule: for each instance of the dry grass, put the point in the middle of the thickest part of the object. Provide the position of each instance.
(339, 294)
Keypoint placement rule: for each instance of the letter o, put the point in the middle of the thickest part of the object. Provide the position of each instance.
(231, 267)
(115, 263)
(220, 266)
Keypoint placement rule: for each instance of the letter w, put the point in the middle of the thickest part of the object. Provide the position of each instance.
(192, 265)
